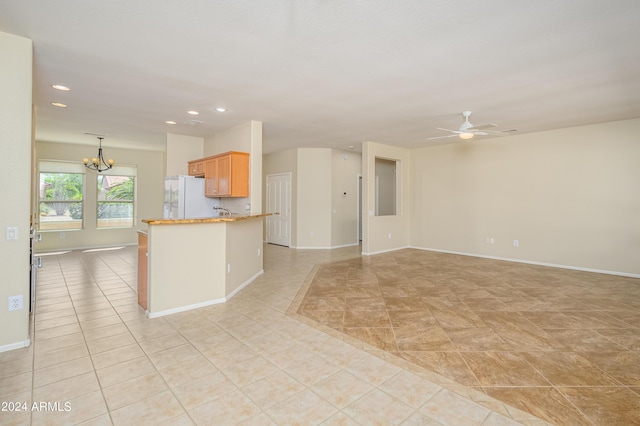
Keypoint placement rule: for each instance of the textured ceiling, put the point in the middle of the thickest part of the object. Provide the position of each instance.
(326, 73)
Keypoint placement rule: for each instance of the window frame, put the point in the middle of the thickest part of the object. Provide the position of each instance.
(100, 203)
(119, 171)
(66, 168)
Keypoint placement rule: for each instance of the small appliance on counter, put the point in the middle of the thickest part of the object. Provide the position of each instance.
(184, 198)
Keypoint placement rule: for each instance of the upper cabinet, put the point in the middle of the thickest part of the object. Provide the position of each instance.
(226, 175)
(196, 168)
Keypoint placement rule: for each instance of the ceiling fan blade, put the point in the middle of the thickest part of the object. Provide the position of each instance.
(449, 130)
(483, 126)
(442, 137)
(480, 133)
(502, 132)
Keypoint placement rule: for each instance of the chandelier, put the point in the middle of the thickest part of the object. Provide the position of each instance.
(98, 163)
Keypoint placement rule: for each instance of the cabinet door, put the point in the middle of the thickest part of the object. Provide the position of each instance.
(224, 175)
(239, 175)
(211, 178)
(196, 168)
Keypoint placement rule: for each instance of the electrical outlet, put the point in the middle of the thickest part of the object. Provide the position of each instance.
(15, 303)
(515, 243)
(259, 252)
(228, 268)
(389, 235)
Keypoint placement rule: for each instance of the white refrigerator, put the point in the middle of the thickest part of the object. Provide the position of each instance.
(184, 198)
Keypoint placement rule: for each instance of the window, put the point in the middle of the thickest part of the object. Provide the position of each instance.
(115, 201)
(61, 196)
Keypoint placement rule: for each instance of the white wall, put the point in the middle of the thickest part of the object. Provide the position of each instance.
(345, 168)
(180, 150)
(243, 252)
(570, 197)
(385, 233)
(245, 137)
(314, 198)
(15, 192)
(187, 265)
(149, 195)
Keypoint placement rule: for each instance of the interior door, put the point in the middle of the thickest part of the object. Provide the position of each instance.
(279, 201)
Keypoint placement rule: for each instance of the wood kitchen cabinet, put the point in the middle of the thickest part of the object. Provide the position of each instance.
(196, 168)
(227, 175)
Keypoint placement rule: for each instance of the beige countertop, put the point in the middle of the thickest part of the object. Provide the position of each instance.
(203, 220)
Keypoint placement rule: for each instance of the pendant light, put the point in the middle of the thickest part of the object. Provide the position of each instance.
(98, 163)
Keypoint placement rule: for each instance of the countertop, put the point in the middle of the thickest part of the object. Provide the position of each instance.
(234, 218)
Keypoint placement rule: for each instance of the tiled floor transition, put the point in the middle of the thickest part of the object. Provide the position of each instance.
(96, 359)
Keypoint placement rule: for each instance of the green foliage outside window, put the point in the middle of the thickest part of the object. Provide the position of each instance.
(115, 201)
(61, 196)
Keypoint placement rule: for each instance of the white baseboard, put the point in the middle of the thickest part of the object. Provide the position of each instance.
(530, 262)
(203, 304)
(17, 345)
(311, 248)
(246, 283)
(185, 308)
(385, 251)
(324, 247)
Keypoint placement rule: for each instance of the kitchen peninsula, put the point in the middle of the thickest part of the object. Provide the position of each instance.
(191, 263)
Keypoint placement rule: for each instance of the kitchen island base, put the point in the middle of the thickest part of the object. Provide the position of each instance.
(201, 262)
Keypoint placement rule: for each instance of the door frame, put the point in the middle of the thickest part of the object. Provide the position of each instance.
(290, 176)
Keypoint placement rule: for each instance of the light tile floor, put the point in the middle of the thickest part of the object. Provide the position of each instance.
(561, 344)
(96, 359)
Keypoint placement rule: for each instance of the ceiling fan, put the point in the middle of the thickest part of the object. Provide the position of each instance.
(468, 130)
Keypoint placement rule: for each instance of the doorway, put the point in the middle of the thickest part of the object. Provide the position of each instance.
(279, 201)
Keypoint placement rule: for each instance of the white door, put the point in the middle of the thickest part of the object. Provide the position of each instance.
(279, 201)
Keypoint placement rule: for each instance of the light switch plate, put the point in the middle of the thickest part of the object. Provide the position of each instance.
(11, 233)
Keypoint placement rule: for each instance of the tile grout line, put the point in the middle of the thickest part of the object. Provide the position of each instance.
(84, 337)
(146, 355)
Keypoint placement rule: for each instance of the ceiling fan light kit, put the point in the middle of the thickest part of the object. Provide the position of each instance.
(466, 135)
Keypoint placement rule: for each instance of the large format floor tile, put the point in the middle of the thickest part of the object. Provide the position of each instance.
(96, 359)
(560, 344)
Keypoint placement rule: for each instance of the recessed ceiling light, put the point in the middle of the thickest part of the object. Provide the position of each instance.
(170, 122)
(58, 104)
(193, 112)
(60, 87)
(220, 109)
